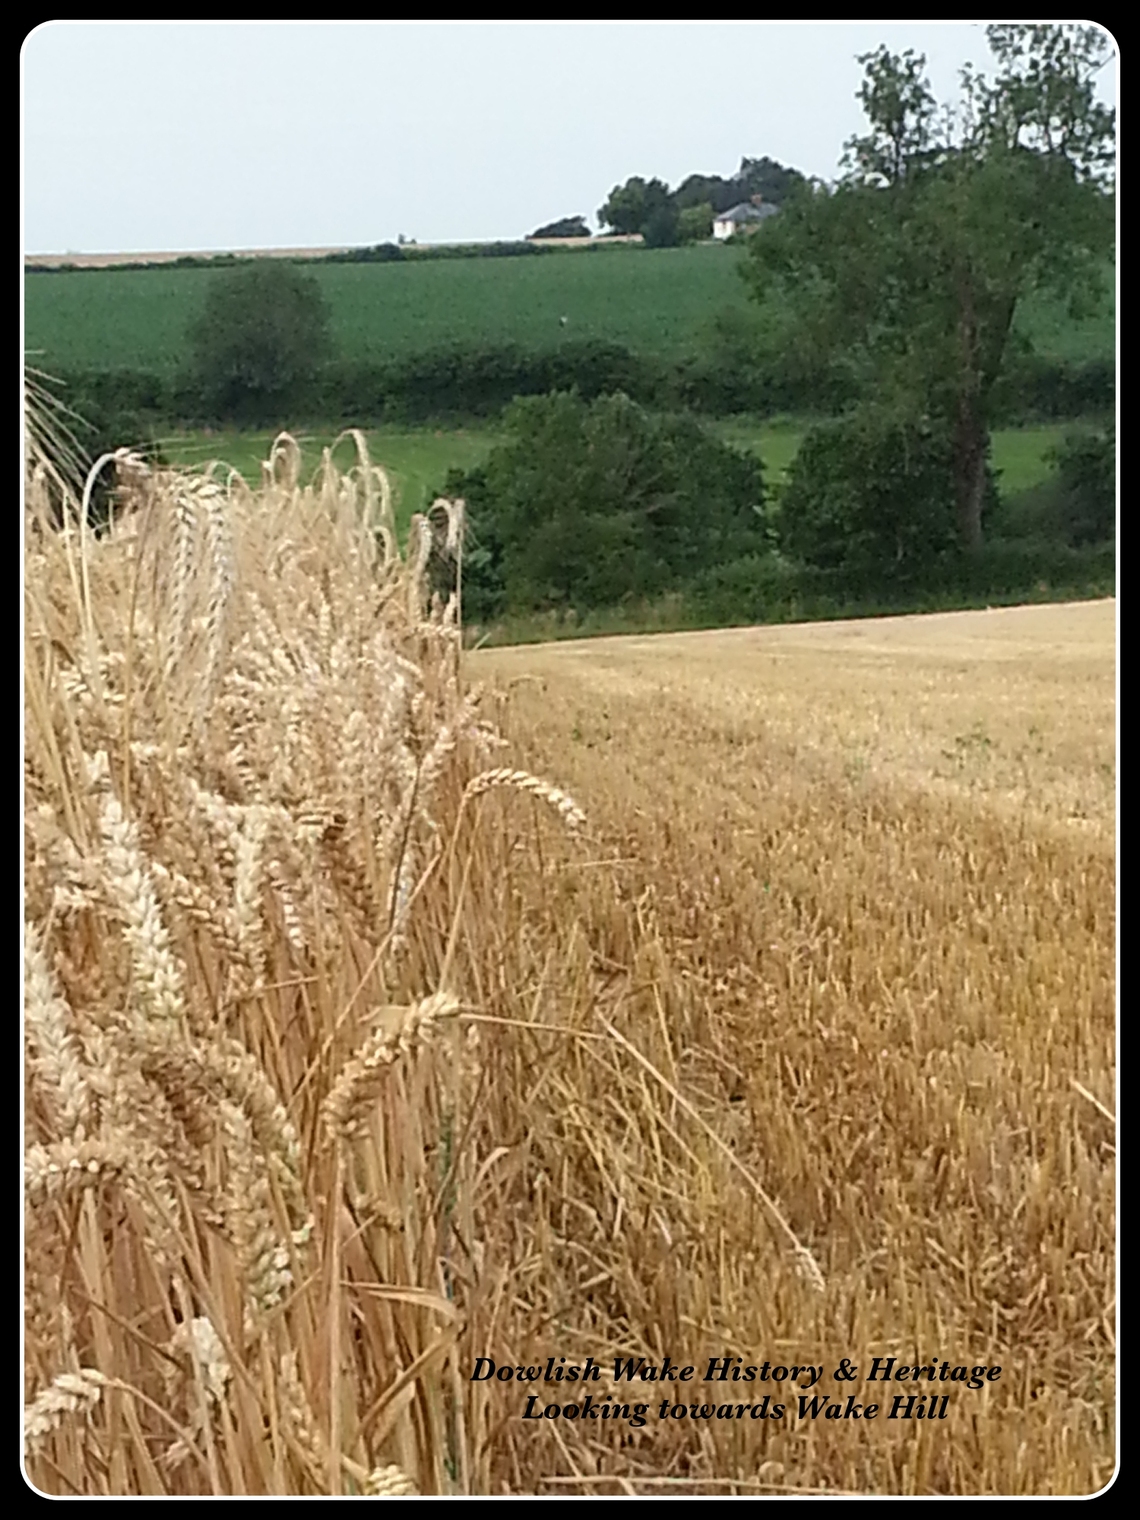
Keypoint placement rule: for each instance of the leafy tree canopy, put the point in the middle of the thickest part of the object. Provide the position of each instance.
(651, 208)
(756, 176)
(695, 223)
(568, 227)
(631, 206)
(262, 335)
(907, 274)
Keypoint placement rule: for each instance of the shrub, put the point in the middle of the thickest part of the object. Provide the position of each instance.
(872, 492)
(587, 503)
(759, 588)
(1035, 387)
(1087, 468)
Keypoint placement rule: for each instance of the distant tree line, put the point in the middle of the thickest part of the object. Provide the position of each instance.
(667, 217)
(377, 253)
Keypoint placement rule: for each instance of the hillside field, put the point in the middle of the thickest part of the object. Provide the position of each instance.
(659, 302)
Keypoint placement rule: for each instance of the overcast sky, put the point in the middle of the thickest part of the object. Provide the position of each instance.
(147, 137)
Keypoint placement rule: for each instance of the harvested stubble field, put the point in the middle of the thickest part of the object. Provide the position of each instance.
(355, 1053)
(871, 866)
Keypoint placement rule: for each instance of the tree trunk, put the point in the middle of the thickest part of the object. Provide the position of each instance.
(971, 436)
(971, 442)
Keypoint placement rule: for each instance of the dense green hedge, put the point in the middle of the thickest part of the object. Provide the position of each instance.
(376, 253)
(1033, 388)
(873, 490)
(770, 589)
(384, 253)
(439, 383)
(479, 381)
(760, 590)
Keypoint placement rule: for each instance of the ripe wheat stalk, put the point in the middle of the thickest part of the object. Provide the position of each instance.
(247, 744)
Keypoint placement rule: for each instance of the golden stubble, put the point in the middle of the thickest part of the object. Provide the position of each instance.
(867, 874)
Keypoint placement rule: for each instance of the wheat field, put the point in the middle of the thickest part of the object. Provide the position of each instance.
(392, 1012)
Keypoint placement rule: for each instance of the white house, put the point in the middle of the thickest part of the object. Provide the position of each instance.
(743, 218)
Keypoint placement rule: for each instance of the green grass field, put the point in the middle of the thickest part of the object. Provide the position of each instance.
(1020, 455)
(418, 459)
(654, 301)
(777, 442)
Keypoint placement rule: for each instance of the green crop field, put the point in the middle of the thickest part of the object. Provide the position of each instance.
(658, 301)
(654, 301)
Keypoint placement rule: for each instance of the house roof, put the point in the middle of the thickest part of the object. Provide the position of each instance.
(747, 212)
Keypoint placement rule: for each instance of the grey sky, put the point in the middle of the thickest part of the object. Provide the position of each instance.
(141, 137)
